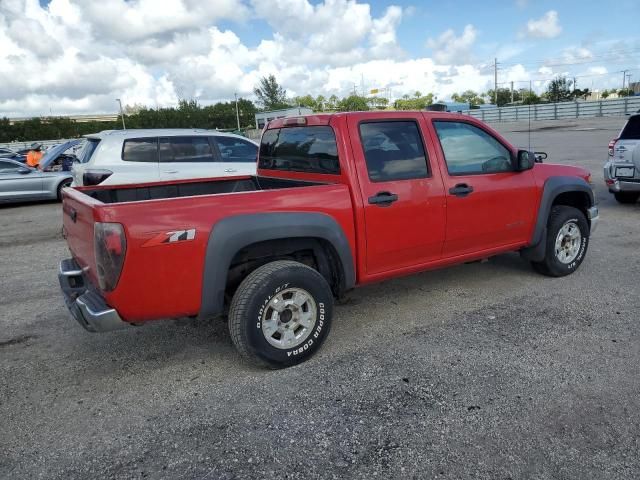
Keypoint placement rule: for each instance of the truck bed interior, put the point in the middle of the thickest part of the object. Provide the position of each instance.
(123, 193)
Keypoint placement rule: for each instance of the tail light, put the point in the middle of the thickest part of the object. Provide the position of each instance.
(612, 145)
(95, 177)
(110, 248)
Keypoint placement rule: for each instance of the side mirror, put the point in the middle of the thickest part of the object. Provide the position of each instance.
(24, 170)
(525, 161)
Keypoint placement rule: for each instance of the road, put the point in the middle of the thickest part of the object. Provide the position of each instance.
(485, 370)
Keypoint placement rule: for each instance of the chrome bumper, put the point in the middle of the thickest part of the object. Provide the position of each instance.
(594, 217)
(86, 306)
(618, 184)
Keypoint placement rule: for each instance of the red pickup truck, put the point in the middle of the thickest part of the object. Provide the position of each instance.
(339, 200)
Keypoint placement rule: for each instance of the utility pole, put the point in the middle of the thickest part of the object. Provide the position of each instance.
(495, 81)
(624, 77)
(237, 111)
(628, 81)
(512, 92)
(121, 113)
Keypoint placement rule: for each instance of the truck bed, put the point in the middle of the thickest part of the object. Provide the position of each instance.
(165, 280)
(187, 188)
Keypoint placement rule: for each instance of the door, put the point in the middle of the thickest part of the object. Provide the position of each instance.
(403, 200)
(15, 185)
(489, 204)
(187, 157)
(238, 156)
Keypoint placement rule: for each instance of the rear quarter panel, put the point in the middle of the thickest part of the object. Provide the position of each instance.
(165, 280)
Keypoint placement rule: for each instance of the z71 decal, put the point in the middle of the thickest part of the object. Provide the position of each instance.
(171, 237)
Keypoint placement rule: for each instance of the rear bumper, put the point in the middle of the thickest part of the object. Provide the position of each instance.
(620, 184)
(86, 306)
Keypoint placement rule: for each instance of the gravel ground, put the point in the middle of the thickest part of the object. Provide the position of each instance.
(479, 371)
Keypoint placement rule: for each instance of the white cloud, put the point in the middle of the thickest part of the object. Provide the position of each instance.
(76, 56)
(448, 48)
(547, 26)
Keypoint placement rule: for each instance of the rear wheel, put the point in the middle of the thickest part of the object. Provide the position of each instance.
(567, 242)
(281, 314)
(626, 197)
(64, 184)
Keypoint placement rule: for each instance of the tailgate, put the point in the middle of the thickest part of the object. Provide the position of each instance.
(77, 222)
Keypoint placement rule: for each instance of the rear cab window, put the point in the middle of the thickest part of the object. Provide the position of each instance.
(308, 149)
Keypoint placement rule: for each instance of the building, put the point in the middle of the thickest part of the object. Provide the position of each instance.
(263, 118)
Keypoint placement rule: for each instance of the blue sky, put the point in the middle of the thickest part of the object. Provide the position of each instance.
(132, 49)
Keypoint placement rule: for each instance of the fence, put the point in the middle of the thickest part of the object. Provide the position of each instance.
(556, 111)
(45, 144)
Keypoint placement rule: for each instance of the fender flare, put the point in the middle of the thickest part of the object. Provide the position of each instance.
(553, 187)
(231, 234)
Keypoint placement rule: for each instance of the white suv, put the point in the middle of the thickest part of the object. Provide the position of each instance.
(115, 157)
(622, 170)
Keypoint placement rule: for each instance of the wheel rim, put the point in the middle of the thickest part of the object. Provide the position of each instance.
(289, 318)
(568, 242)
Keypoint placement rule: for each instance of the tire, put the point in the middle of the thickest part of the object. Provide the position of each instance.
(573, 244)
(281, 338)
(626, 197)
(63, 184)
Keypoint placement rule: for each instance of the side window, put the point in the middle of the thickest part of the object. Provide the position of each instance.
(393, 151)
(470, 150)
(140, 150)
(236, 150)
(186, 149)
(88, 149)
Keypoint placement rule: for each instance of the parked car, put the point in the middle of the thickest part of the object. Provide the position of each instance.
(12, 155)
(118, 157)
(622, 169)
(19, 183)
(339, 200)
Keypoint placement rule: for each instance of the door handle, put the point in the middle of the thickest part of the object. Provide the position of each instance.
(383, 199)
(171, 171)
(461, 190)
(230, 170)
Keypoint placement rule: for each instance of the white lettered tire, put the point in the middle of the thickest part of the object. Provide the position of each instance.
(567, 242)
(281, 314)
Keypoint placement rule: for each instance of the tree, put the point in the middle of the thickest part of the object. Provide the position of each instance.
(271, 96)
(625, 92)
(468, 96)
(528, 97)
(378, 102)
(559, 89)
(417, 102)
(504, 96)
(353, 103)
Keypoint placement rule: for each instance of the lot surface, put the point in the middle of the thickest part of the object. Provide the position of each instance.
(480, 371)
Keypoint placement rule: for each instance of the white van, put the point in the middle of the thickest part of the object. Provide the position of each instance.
(116, 157)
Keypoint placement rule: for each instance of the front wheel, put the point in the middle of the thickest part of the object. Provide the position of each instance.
(63, 184)
(281, 314)
(567, 242)
(626, 197)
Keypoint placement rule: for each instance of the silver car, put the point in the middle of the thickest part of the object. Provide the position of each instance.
(19, 183)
